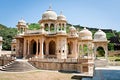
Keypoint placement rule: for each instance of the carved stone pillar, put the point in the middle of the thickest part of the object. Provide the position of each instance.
(24, 53)
(28, 47)
(49, 27)
(41, 55)
(37, 48)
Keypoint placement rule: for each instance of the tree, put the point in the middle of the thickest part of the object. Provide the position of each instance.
(111, 46)
(8, 34)
(34, 26)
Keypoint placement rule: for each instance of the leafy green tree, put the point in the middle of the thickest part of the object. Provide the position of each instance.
(111, 46)
(34, 26)
(8, 34)
(109, 35)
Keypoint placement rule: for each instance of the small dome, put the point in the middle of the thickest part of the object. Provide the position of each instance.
(21, 22)
(49, 14)
(73, 32)
(100, 36)
(61, 17)
(85, 34)
(72, 29)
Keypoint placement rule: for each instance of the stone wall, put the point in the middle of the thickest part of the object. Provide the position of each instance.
(78, 65)
(114, 63)
(5, 60)
(113, 53)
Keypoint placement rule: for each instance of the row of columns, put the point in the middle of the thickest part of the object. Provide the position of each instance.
(89, 49)
(57, 27)
(22, 28)
(61, 27)
(40, 48)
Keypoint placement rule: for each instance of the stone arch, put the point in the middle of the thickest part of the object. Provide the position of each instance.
(100, 51)
(52, 27)
(80, 49)
(63, 26)
(104, 46)
(14, 48)
(70, 47)
(85, 49)
(33, 47)
(52, 47)
(46, 27)
(59, 26)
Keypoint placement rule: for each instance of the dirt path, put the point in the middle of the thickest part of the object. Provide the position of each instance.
(35, 75)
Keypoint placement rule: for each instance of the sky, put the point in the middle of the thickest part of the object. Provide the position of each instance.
(104, 14)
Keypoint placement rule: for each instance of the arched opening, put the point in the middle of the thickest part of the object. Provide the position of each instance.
(38, 47)
(52, 27)
(52, 48)
(59, 26)
(14, 47)
(46, 27)
(44, 48)
(100, 52)
(80, 50)
(62, 26)
(85, 50)
(33, 47)
(70, 46)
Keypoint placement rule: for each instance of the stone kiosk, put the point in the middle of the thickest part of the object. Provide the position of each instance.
(51, 47)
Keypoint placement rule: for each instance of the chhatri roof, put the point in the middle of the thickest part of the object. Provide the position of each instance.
(100, 36)
(49, 14)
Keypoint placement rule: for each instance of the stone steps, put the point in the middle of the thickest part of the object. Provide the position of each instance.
(18, 66)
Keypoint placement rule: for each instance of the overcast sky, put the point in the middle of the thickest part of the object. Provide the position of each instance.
(91, 13)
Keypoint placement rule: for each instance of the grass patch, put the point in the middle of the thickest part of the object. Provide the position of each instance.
(115, 58)
(37, 75)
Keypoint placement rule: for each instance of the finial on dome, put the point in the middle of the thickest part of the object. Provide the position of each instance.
(22, 18)
(50, 7)
(99, 29)
(60, 12)
(84, 27)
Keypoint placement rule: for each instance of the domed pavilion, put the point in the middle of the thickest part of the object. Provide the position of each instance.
(52, 40)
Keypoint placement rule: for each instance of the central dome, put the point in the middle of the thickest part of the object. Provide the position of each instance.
(49, 14)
